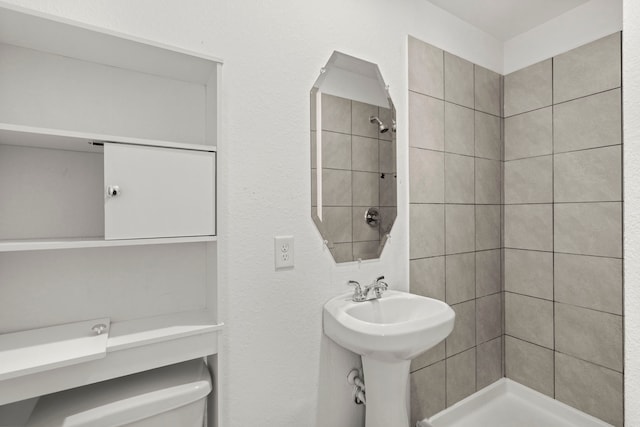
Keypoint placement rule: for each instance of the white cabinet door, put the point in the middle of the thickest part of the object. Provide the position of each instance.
(162, 192)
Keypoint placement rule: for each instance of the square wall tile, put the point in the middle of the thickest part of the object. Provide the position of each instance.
(426, 176)
(461, 376)
(336, 114)
(488, 272)
(429, 357)
(342, 252)
(428, 392)
(388, 191)
(529, 134)
(361, 230)
(336, 150)
(488, 227)
(529, 273)
(458, 80)
(528, 227)
(366, 188)
(529, 180)
(459, 182)
(488, 318)
(387, 156)
(594, 67)
(590, 335)
(366, 250)
(426, 68)
(463, 336)
(458, 129)
(488, 93)
(488, 136)
(364, 154)
(530, 365)
(488, 363)
(590, 388)
(360, 124)
(460, 228)
(336, 187)
(528, 89)
(591, 282)
(337, 223)
(530, 319)
(590, 122)
(461, 275)
(388, 217)
(426, 122)
(488, 181)
(426, 236)
(589, 228)
(426, 277)
(593, 175)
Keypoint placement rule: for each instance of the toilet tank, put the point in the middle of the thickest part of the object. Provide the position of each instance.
(170, 396)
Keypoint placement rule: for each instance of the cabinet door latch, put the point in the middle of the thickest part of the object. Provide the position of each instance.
(113, 190)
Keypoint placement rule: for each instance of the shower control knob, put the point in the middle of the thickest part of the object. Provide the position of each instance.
(113, 190)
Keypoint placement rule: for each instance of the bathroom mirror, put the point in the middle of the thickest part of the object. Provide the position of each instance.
(353, 158)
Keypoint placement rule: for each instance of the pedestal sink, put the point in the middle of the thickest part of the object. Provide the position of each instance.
(387, 332)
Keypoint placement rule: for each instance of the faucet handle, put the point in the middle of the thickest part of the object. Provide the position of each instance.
(358, 294)
(379, 279)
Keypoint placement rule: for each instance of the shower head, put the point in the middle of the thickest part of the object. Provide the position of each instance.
(381, 127)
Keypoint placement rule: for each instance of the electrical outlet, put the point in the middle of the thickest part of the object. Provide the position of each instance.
(283, 251)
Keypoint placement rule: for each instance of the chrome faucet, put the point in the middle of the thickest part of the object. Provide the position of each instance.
(378, 287)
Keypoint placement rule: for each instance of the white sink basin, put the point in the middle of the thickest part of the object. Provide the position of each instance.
(387, 332)
(398, 326)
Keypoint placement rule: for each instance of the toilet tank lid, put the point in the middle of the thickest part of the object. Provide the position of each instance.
(124, 400)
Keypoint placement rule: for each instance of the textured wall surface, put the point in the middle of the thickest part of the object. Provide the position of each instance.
(586, 23)
(278, 369)
(455, 196)
(631, 106)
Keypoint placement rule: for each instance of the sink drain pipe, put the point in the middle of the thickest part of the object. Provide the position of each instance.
(355, 378)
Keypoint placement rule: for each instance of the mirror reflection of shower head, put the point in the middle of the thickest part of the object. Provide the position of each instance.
(381, 127)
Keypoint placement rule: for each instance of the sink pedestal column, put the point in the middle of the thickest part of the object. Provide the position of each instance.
(386, 385)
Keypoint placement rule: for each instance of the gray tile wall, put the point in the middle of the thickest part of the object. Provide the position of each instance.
(563, 228)
(455, 158)
(355, 156)
(529, 209)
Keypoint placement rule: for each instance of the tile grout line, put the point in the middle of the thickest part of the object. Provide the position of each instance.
(444, 196)
(553, 223)
(563, 102)
(475, 231)
(622, 218)
(599, 365)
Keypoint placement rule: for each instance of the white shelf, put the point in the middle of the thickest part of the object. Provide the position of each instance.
(136, 333)
(92, 242)
(36, 30)
(30, 136)
(46, 360)
(37, 350)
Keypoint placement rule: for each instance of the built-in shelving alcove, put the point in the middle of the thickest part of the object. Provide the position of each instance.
(108, 155)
